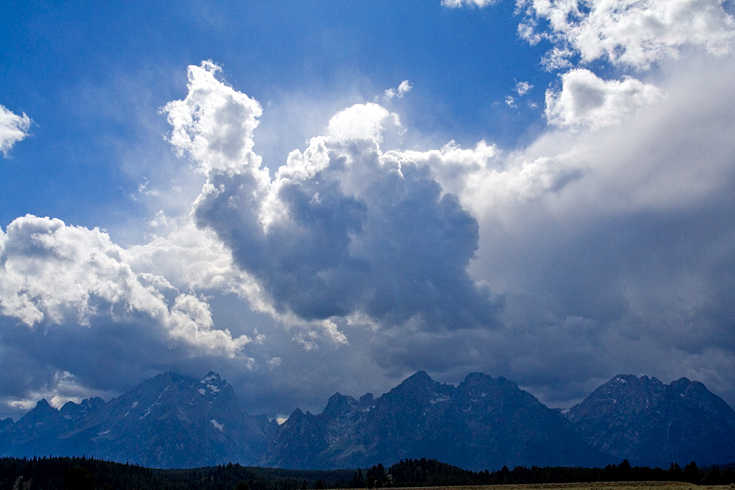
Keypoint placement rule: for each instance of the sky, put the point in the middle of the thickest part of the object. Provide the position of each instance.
(328, 196)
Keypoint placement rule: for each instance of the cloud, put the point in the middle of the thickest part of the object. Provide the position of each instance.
(586, 101)
(603, 246)
(13, 128)
(343, 229)
(70, 302)
(469, 3)
(220, 139)
(523, 87)
(625, 231)
(402, 89)
(362, 121)
(627, 32)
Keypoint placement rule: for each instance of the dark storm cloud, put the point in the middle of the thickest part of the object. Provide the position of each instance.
(398, 250)
(640, 247)
(342, 230)
(611, 247)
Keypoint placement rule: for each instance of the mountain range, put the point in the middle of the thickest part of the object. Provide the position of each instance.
(173, 421)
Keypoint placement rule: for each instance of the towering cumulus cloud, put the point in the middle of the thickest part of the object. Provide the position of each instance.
(342, 229)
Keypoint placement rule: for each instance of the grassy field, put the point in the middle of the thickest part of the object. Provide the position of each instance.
(634, 485)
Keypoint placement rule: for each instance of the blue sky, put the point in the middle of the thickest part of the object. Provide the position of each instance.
(311, 197)
(99, 65)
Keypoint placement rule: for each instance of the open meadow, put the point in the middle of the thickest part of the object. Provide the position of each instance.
(648, 485)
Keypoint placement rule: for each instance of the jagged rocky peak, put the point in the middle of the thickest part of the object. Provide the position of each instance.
(43, 414)
(367, 401)
(419, 388)
(628, 382)
(171, 384)
(213, 381)
(484, 422)
(419, 380)
(681, 385)
(624, 394)
(212, 385)
(160, 382)
(339, 404)
(42, 410)
(691, 390)
(72, 410)
(43, 404)
(475, 381)
(697, 394)
(648, 422)
(296, 417)
(478, 387)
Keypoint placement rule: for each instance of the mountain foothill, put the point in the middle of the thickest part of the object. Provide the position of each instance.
(175, 421)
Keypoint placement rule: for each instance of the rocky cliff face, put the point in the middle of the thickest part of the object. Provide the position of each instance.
(651, 423)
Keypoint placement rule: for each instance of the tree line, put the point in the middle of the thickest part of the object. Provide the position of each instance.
(428, 472)
(93, 474)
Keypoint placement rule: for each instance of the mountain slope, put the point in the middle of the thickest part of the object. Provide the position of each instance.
(173, 421)
(648, 422)
(483, 423)
(169, 421)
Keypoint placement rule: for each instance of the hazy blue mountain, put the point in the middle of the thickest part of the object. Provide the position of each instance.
(36, 433)
(75, 411)
(169, 421)
(651, 423)
(482, 423)
(173, 421)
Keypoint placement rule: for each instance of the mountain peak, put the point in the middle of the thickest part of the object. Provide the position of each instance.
(682, 384)
(645, 421)
(211, 377)
(483, 422)
(480, 379)
(366, 400)
(212, 384)
(419, 380)
(42, 404)
(419, 387)
(339, 404)
(72, 410)
(629, 383)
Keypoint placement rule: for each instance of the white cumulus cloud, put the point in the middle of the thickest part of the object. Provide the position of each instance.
(13, 128)
(586, 101)
(362, 121)
(215, 123)
(54, 274)
(469, 3)
(634, 33)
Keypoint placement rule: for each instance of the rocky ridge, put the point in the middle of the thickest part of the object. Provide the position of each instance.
(173, 421)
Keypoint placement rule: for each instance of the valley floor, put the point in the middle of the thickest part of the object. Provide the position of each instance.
(633, 485)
